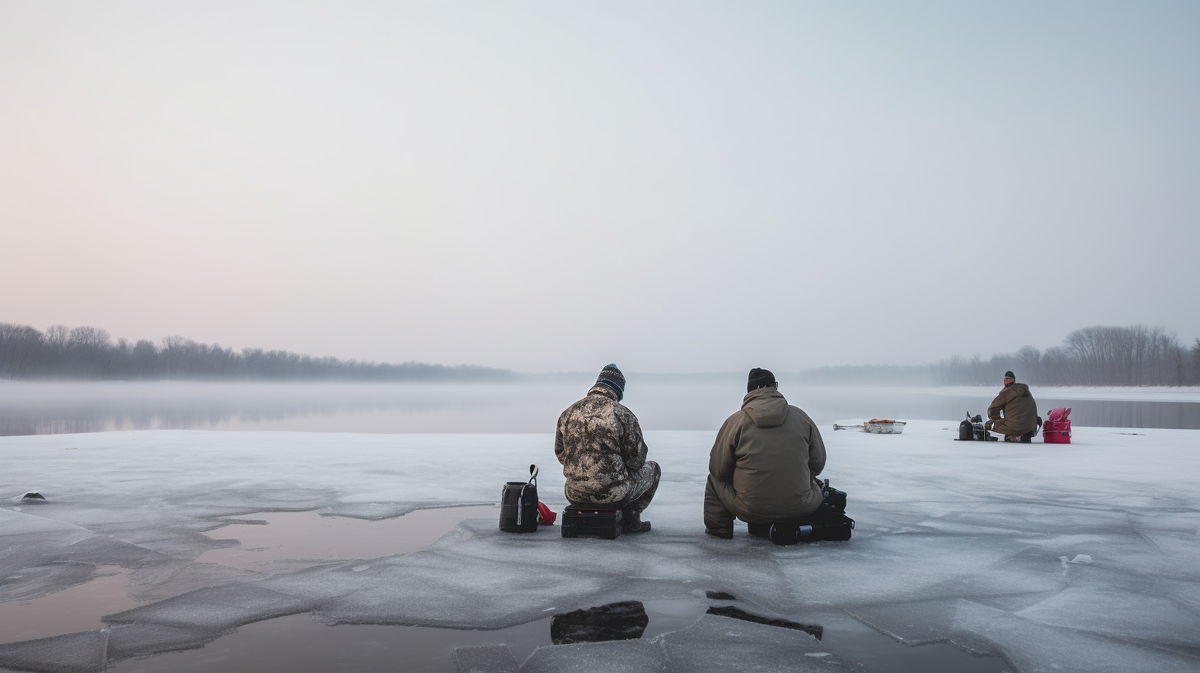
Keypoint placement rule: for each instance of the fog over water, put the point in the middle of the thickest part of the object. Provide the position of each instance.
(661, 403)
(543, 186)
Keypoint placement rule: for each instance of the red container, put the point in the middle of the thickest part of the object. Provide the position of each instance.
(1056, 432)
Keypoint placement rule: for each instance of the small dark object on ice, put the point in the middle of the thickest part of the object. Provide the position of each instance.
(626, 620)
(719, 596)
(973, 430)
(825, 524)
(815, 630)
(33, 495)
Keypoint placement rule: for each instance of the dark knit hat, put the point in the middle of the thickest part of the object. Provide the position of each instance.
(612, 378)
(760, 378)
(1009, 375)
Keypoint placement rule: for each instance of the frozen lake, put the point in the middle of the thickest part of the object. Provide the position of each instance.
(1022, 558)
(661, 402)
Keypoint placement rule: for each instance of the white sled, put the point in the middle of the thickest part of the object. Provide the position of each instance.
(876, 426)
(883, 427)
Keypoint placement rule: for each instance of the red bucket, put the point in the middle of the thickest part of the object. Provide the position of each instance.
(1056, 432)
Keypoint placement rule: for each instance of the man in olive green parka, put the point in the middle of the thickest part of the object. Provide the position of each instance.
(763, 465)
(1014, 411)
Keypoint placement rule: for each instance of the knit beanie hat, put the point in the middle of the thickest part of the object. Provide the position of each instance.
(612, 378)
(1009, 375)
(760, 378)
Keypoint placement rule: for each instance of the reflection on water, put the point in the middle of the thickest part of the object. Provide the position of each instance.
(661, 403)
(76, 608)
(626, 620)
(814, 630)
(298, 644)
(266, 542)
(272, 542)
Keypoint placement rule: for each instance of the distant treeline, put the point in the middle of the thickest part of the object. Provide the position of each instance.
(90, 353)
(1092, 356)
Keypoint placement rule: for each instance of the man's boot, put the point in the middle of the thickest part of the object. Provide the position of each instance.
(759, 529)
(634, 523)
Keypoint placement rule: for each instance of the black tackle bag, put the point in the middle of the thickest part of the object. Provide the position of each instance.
(519, 505)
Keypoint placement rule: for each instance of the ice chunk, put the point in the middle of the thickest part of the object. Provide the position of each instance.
(159, 581)
(721, 644)
(1034, 646)
(25, 583)
(626, 656)
(920, 623)
(667, 615)
(132, 640)
(485, 659)
(1118, 613)
(215, 609)
(438, 588)
(23, 523)
(72, 653)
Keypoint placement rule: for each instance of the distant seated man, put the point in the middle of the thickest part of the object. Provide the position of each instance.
(600, 446)
(1014, 412)
(763, 466)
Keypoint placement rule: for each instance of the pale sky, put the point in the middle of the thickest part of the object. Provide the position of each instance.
(548, 186)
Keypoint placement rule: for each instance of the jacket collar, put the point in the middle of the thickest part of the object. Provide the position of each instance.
(761, 393)
(603, 390)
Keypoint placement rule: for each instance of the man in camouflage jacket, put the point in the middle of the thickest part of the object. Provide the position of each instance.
(600, 445)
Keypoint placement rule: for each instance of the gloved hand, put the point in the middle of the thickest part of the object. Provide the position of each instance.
(988, 426)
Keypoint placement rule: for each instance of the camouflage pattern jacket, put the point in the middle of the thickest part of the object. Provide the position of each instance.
(600, 445)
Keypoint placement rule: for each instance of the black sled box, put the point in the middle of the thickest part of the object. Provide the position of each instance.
(599, 520)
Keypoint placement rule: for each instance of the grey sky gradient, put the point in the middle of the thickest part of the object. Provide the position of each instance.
(673, 186)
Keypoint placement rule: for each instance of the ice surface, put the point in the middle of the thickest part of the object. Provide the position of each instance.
(628, 656)
(956, 542)
(485, 659)
(720, 644)
(1030, 646)
(1119, 613)
(140, 639)
(72, 653)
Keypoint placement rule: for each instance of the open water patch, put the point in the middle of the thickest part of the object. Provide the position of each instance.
(267, 543)
(274, 542)
(299, 644)
(76, 608)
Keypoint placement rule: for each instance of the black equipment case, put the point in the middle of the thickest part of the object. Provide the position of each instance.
(604, 521)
